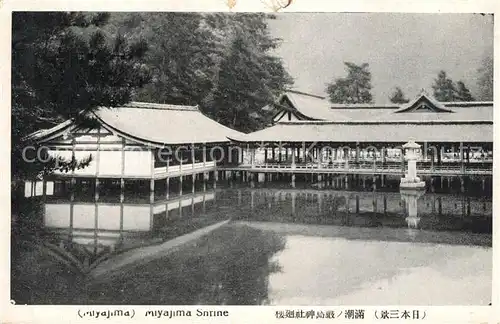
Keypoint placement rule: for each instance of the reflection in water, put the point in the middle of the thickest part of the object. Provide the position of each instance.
(91, 232)
(232, 265)
(410, 197)
(431, 211)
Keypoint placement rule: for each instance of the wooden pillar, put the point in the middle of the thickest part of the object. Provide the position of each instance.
(152, 180)
(204, 155)
(72, 192)
(402, 160)
(192, 156)
(293, 157)
(73, 161)
(273, 153)
(44, 189)
(265, 155)
(252, 157)
(280, 147)
(179, 207)
(468, 154)
(439, 154)
(462, 165)
(122, 172)
(432, 158)
(193, 182)
(346, 157)
(180, 160)
(286, 154)
(97, 162)
(357, 152)
(167, 187)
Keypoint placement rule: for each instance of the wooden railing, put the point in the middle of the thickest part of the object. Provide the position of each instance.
(184, 168)
(391, 167)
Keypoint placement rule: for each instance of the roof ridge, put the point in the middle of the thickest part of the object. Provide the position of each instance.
(364, 106)
(161, 106)
(306, 94)
(379, 122)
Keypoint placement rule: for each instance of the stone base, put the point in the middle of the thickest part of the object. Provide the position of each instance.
(412, 185)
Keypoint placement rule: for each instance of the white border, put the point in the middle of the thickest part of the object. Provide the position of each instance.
(239, 314)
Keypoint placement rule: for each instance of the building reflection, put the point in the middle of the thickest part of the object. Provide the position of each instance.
(421, 210)
(89, 230)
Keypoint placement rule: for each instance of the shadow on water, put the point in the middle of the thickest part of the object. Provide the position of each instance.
(230, 266)
(56, 243)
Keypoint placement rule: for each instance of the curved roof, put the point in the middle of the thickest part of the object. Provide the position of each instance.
(312, 107)
(159, 124)
(389, 132)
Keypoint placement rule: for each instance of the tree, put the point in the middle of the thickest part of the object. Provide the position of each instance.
(249, 77)
(182, 56)
(463, 94)
(485, 81)
(63, 65)
(444, 88)
(398, 96)
(222, 62)
(355, 88)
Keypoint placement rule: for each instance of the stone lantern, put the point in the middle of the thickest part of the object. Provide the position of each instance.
(412, 154)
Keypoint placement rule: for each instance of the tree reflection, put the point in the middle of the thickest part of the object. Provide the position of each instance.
(230, 266)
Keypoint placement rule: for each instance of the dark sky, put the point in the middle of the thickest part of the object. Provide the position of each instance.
(405, 50)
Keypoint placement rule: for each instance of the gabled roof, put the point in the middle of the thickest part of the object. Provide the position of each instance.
(156, 124)
(423, 103)
(311, 107)
(308, 106)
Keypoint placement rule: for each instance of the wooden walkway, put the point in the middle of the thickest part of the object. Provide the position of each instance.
(365, 168)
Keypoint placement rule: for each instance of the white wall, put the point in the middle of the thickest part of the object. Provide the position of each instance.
(135, 218)
(110, 162)
(138, 162)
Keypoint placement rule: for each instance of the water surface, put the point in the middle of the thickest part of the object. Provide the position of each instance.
(320, 243)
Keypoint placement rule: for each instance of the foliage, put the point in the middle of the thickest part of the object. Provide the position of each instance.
(463, 94)
(446, 90)
(355, 88)
(485, 81)
(222, 62)
(398, 97)
(64, 65)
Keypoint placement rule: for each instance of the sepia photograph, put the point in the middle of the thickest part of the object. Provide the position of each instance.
(251, 158)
